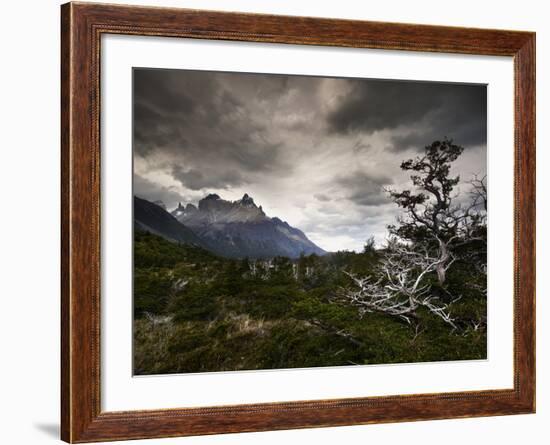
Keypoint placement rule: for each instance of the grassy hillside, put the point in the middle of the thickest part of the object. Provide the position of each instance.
(196, 312)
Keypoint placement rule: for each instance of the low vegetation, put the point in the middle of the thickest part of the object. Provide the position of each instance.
(195, 312)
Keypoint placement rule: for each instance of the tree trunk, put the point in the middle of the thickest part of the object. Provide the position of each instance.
(441, 268)
(441, 274)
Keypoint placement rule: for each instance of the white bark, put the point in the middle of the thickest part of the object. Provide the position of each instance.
(401, 286)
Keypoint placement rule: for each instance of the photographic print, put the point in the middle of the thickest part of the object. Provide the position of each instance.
(285, 221)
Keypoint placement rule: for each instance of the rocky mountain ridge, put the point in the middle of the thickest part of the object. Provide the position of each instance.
(234, 229)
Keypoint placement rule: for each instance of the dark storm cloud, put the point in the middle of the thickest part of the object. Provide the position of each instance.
(152, 191)
(166, 91)
(423, 111)
(363, 189)
(160, 98)
(197, 118)
(197, 180)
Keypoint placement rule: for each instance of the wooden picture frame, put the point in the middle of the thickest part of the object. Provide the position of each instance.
(82, 25)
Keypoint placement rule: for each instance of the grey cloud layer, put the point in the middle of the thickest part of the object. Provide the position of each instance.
(365, 189)
(193, 117)
(429, 110)
(317, 152)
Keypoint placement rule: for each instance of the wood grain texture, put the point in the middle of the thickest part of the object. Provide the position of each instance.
(65, 227)
(81, 28)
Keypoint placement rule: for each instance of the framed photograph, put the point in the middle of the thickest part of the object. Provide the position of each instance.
(275, 222)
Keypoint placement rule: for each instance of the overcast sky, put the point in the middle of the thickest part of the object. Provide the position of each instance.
(316, 152)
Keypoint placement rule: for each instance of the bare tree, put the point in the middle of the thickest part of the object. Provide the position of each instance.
(431, 215)
(476, 224)
(435, 231)
(401, 286)
(479, 192)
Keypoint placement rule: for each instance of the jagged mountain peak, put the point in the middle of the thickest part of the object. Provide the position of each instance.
(214, 210)
(247, 200)
(211, 197)
(241, 228)
(236, 229)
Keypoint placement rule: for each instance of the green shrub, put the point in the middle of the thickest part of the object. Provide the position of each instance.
(222, 318)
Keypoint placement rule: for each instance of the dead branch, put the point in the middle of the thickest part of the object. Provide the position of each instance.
(401, 287)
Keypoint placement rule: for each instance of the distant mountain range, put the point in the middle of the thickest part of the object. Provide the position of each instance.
(235, 229)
